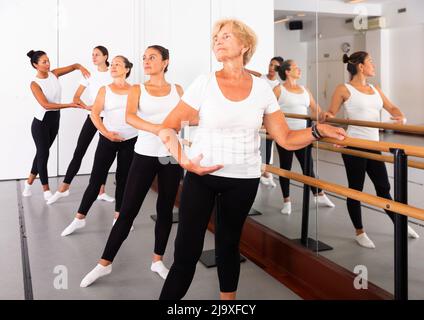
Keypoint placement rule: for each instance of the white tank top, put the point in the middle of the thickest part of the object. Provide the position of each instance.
(51, 89)
(96, 80)
(272, 83)
(366, 107)
(114, 114)
(294, 103)
(154, 109)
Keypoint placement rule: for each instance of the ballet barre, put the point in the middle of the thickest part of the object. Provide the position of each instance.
(366, 155)
(373, 124)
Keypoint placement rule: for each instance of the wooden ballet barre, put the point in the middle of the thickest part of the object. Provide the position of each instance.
(381, 125)
(367, 155)
(383, 146)
(377, 146)
(375, 201)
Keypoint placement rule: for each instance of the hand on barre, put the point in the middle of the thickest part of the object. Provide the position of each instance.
(398, 119)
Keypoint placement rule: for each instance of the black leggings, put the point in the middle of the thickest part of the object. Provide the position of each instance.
(140, 177)
(268, 150)
(286, 160)
(86, 135)
(105, 155)
(197, 201)
(44, 132)
(356, 168)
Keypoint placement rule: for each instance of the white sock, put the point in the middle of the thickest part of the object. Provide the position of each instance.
(27, 190)
(75, 225)
(105, 197)
(47, 195)
(286, 208)
(412, 233)
(364, 241)
(57, 196)
(324, 200)
(98, 272)
(159, 268)
(114, 220)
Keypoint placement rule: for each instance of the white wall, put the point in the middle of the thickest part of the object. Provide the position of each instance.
(407, 71)
(289, 46)
(124, 27)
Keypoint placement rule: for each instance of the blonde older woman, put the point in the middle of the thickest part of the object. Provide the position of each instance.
(230, 105)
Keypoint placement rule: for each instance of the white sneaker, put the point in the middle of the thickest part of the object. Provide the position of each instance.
(412, 233)
(264, 181)
(47, 195)
(98, 272)
(324, 201)
(286, 208)
(75, 225)
(271, 181)
(57, 196)
(160, 269)
(114, 220)
(364, 241)
(105, 197)
(27, 190)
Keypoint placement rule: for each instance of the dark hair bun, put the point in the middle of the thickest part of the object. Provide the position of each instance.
(131, 64)
(30, 54)
(345, 58)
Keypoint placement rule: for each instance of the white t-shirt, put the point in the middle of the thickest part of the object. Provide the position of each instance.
(114, 114)
(366, 107)
(52, 91)
(92, 84)
(295, 103)
(228, 131)
(272, 83)
(154, 109)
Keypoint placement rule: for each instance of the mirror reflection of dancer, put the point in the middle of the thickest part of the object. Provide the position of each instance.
(99, 78)
(271, 78)
(294, 98)
(47, 93)
(116, 140)
(148, 105)
(225, 161)
(363, 101)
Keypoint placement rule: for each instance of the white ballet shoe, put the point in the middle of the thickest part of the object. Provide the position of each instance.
(286, 208)
(98, 272)
(105, 197)
(27, 190)
(160, 269)
(364, 241)
(114, 220)
(264, 181)
(47, 195)
(323, 200)
(57, 195)
(75, 225)
(272, 184)
(412, 233)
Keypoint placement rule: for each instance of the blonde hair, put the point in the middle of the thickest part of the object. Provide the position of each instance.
(243, 33)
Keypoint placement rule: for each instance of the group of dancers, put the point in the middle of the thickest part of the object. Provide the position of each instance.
(138, 126)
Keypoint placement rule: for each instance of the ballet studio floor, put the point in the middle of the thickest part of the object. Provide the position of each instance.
(47, 256)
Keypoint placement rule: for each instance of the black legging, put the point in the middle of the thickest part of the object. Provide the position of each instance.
(105, 155)
(356, 168)
(85, 137)
(268, 150)
(44, 132)
(197, 201)
(286, 160)
(140, 177)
